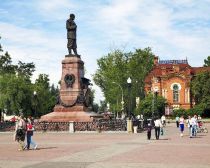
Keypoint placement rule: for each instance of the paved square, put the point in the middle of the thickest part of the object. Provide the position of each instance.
(108, 150)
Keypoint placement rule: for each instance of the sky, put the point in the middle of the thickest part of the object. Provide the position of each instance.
(34, 31)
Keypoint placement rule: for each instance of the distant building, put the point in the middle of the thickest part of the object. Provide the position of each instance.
(171, 79)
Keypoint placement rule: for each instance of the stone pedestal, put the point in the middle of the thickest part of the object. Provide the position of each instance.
(129, 126)
(73, 102)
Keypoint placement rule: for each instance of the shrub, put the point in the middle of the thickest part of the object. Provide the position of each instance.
(180, 112)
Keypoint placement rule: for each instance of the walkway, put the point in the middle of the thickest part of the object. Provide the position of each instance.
(108, 150)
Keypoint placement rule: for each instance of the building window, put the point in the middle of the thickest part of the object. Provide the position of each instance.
(175, 93)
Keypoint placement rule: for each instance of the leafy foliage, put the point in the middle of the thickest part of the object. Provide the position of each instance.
(200, 87)
(197, 110)
(152, 106)
(16, 89)
(114, 70)
(207, 62)
(45, 97)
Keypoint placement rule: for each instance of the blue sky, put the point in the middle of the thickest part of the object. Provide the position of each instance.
(34, 30)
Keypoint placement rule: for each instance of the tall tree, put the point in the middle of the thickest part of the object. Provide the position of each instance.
(207, 62)
(25, 69)
(114, 70)
(200, 87)
(140, 64)
(6, 64)
(17, 91)
(15, 87)
(152, 106)
(15, 94)
(43, 101)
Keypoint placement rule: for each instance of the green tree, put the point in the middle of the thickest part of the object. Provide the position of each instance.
(152, 106)
(114, 70)
(207, 62)
(95, 107)
(15, 94)
(43, 101)
(16, 88)
(200, 87)
(140, 65)
(102, 106)
(25, 70)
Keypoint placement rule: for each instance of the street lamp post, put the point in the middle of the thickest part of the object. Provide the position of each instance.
(129, 93)
(129, 122)
(155, 92)
(35, 103)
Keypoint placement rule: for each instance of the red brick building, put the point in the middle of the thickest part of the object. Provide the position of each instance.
(171, 79)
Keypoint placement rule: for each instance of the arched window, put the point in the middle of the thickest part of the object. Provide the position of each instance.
(175, 93)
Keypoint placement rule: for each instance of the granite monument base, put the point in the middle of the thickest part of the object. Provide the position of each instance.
(79, 116)
(78, 113)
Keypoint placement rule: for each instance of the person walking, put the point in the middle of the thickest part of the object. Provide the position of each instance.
(163, 120)
(149, 130)
(177, 121)
(157, 128)
(189, 125)
(20, 132)
(161, 129)
(181, 125)
(194, 125)
(30, 132)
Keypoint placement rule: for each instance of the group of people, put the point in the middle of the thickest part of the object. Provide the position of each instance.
(24, 129)
(191, 122)
(159, 123)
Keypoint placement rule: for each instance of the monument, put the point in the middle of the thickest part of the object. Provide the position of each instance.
(74, 101)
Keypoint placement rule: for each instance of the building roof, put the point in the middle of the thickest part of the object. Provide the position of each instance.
(173, 62)
(197, 70)
(169, 67)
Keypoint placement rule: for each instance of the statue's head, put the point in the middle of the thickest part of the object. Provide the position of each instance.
(72, 16)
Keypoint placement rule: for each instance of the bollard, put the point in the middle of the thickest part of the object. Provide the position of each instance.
(71, 126)
(129, 126)
(135, 129)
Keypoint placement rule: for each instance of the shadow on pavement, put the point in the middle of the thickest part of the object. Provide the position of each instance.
(42, 148)
(159, 139)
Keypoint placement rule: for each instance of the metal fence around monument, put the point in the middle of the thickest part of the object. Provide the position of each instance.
(97, 125)
(51, 126)
(101, 125)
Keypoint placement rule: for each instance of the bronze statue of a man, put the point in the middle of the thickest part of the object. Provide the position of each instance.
(71, 34)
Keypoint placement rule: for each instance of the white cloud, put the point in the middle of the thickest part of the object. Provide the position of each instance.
(47, 52)
(28, 45)
(173, 29)
(54, 9)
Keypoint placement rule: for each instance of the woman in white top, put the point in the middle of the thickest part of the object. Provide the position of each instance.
(20, 130)
(189, 125)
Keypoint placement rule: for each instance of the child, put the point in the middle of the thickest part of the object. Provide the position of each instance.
(149, 130)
